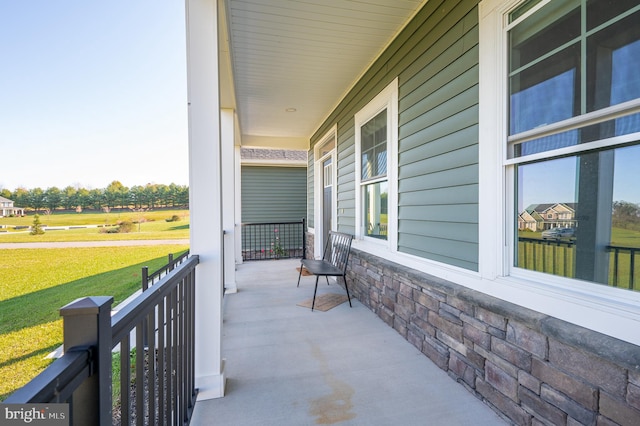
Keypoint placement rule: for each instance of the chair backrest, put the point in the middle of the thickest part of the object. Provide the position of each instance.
(337, 249)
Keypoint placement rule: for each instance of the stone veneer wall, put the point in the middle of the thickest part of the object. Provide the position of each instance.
(531, 368)
(309, 245)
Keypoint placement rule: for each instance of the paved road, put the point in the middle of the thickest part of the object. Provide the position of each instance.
(67, 244)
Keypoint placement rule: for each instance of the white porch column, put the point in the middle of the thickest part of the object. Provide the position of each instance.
(227, 121)
(205, 195)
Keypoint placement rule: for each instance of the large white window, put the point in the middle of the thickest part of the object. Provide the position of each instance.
(574, 137)
(376, 147)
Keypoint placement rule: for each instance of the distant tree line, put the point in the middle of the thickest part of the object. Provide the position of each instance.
(626, 215)
(114, 196)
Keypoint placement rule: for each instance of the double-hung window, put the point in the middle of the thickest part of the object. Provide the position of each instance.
(374, 181)
(376, 141)
(573, 137)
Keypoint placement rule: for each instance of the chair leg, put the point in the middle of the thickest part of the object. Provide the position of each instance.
(314, 293)
(300, 274)
(346, 287)
(327, 278)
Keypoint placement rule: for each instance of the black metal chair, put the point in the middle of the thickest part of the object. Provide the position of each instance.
(333, 263)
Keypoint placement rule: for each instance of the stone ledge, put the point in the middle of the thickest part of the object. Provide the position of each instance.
(614, 350)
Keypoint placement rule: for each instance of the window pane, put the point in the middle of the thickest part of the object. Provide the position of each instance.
(579, 217)
(553, 26)
(522, 9)
(547, 143)
(601, 11)
(538, 98)
(381, 160)
(613, 61)
(547, 86)
(373, 145)
(375, 210)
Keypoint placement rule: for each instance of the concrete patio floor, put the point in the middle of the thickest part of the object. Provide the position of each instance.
(286, 365)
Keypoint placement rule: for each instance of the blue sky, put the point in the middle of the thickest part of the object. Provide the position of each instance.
(91, 92)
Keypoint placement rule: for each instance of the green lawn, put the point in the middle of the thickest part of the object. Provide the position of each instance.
(95, 218)
(35, 283)
(151, 225)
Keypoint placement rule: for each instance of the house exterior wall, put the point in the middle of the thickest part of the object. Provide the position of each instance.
(436, 60)
(7, 208)
(310, 191)
(469, 317)
(273, 194)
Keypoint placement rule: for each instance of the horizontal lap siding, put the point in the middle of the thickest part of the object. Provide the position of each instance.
(346, 179)
(438, 146)
(273, 194)
(310, 190)
(436, 61)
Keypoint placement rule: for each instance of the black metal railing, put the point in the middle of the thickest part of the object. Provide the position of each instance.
(558, 257)
(623, 276)
(551, 256)
(159, 389)
(273, 240)
(151, 278)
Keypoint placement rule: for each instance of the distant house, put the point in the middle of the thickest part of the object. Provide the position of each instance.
(7, 208)
(529, 220)
(539, 217)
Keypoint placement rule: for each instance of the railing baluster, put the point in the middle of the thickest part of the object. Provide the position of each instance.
(169, 356)
(161, 366)
(139, 375)
(181, 349)
(616, 254)
(145, 286)
(125, 381)
(151, 371)
(191, 339)
(174, 354)
(632, 267)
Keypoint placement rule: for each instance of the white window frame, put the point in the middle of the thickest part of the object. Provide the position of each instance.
(386, 99)
(612, 311)
(318, 187)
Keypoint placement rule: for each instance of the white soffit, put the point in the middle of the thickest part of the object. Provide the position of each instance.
(304, 54)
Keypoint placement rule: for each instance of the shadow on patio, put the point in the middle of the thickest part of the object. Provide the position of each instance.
(287, 365)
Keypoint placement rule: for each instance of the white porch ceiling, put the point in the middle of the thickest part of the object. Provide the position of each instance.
(302, 54)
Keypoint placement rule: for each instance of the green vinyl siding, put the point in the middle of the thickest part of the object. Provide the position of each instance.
(435, 59)
(346, 178)
(310, 190)
(273, 194)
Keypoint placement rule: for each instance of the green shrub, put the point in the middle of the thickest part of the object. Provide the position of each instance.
(174, 218)
(109, 231)
(125, 227)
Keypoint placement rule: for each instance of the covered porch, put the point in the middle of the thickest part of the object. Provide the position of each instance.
(288, 365)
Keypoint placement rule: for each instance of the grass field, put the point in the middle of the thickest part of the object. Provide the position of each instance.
(37, 282)
(152, 225)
